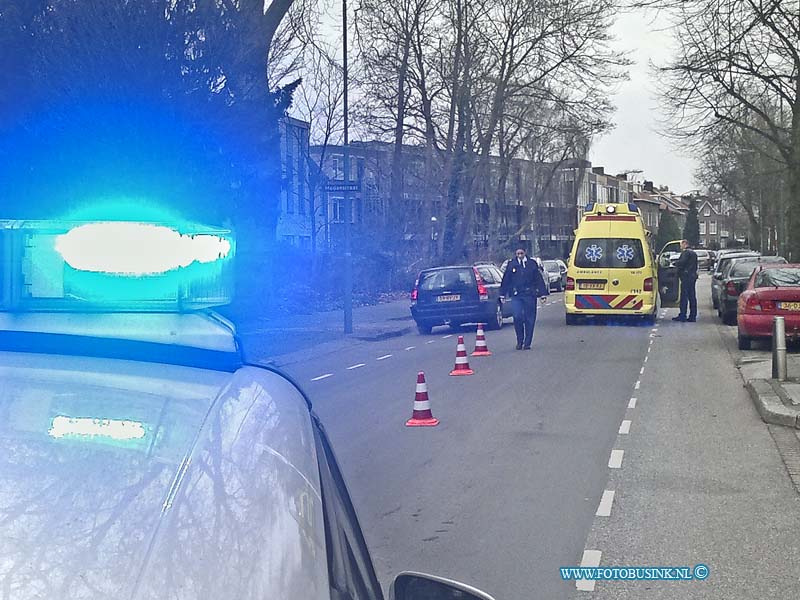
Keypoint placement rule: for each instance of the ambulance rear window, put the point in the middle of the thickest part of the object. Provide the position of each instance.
(609, 253)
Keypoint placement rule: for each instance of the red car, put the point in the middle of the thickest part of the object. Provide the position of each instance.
(773, 290)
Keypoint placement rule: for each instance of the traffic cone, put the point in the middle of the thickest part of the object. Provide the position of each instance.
(462, 362)
(481, 348)
(422, 416)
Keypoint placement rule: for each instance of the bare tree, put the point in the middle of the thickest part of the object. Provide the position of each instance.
(736, 66)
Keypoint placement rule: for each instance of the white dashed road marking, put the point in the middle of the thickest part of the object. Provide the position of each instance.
(604, 510)
(322, 377)
(615, 461)
(638, 385)
(641, 371)
(430, 341)
(384, 357)
(632, 403)
(449, 335)
(591, 558)
(350, 368)
(410, 348)
(625, 427)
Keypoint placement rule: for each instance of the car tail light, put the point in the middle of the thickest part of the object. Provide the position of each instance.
(731, 289)
(482, 291)
(570, 283)
(753, 303)
(648, 284)
(415, 291)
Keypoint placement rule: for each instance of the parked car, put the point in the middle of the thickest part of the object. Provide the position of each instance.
(734, 279)
(772, 290)
(556, 274)
(716, 274)
(705, 259)
(456, 295)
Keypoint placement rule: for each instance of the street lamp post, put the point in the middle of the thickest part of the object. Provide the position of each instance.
(348, 209)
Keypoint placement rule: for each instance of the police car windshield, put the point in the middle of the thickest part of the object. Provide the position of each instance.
(609, 253)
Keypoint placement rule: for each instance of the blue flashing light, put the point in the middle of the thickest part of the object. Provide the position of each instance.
(632, 207)
(114, 266)
(136, 248)
(589, 207)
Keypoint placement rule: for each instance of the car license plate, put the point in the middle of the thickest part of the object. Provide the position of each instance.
(789, 305)
(591, 285)
(450, 298)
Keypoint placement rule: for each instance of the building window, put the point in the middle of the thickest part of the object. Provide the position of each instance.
(707, 211)
(337, 164)
(702, 227)
(337, 210)
(713, 228)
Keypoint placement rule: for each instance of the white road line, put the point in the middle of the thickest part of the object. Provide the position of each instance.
(632, 403)
(591, 558)
(359, 365)
(430, 341)
(625, 427)
(654, 329)
(649, 348)
(384, 357)
(641, 371)
(604, 510)
(615, 461)
(449, 335)
(410, 348)
(646, 357)
(322, 377)
(638, 385)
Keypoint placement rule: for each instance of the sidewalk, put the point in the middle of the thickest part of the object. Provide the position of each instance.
(266, 339)
(778, 402)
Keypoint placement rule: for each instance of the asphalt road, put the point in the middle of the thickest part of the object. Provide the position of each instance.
(506, 489)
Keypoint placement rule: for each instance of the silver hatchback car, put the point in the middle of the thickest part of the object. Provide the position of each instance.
(141, 457)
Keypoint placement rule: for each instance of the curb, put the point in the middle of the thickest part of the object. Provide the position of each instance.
(770, 406)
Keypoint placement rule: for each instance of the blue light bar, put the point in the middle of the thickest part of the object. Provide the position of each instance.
(113, 266)
(632, 207)
(589, 207)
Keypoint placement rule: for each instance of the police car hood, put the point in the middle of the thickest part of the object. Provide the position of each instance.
(123, 480)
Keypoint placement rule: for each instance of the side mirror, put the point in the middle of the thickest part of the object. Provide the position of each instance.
(419, 586)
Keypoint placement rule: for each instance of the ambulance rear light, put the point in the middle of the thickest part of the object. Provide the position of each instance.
(648, 284)
(570, 283)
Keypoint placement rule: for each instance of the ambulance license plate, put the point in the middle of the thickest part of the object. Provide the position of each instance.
(591, 285)
(789, 305)
(450, 298)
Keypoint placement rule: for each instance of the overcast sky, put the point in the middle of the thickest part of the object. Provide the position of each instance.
(635, 143)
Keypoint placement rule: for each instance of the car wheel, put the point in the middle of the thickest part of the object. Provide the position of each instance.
(496, 322)
(424, 328)
(571, 319)
(744, 341)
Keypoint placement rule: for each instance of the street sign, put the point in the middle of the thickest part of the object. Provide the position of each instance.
(343, 187)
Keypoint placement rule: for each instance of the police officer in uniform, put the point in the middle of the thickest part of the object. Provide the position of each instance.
(523, 283)
(687, 273)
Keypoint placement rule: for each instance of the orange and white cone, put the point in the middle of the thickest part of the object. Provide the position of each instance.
(462, 362)
(481, 348)
(422, 416)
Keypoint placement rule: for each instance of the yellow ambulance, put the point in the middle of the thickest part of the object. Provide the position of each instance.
(611, 269)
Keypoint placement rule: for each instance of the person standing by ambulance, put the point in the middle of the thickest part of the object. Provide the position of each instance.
(523, 283)
(687, 274)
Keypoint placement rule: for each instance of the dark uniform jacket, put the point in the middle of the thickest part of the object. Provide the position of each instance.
(527, 281)
(687, 265)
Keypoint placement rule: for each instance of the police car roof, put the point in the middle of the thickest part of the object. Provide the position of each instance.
(201, 339)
